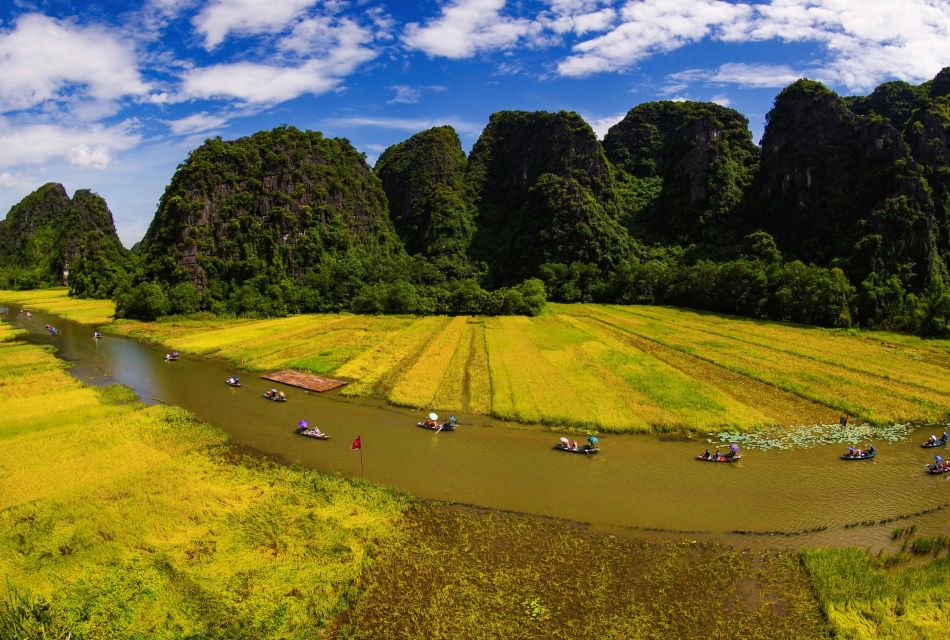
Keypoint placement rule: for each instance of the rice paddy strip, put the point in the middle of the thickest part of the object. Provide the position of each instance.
(834, 349)
(378, 367)
(690, 402)
(868, 396)
(58, 301)
(417, 384)
(140, 522)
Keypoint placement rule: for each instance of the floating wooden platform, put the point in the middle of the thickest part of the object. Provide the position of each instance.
(304, 380)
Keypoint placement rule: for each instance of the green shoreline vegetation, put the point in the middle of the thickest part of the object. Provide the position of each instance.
(589, 367)
(124, 521)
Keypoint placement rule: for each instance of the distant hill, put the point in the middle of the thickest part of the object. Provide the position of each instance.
(49, 239)
(841, 216)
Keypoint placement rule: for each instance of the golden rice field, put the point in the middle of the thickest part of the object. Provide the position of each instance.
(141, 522)
(597, 367)
(612, 368)
(58, 301)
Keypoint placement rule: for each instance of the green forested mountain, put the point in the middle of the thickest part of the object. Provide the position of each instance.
(287, 220)
(263, 220)
(841, 216)
(424, 181)
(682, 169)
(544, 195)
(47, 235)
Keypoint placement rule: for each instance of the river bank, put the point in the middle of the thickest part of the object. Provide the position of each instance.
(492, 528)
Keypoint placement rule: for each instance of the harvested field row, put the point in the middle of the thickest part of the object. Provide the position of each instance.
(594, 367)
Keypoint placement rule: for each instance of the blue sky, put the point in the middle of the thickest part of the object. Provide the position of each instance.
(112, 96)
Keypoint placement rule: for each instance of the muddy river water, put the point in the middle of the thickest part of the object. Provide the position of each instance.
(636, 483)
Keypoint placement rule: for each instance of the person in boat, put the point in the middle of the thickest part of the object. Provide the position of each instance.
(871, 450)
(932, 439)
(429, 422)
(707, 454)
(945, 437)
(717, 454)
(281, 395)
(573, 445)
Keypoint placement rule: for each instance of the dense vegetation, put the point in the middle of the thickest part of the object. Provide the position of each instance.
(454, 574)
(596, 367)
(841, 218)
(48, 235)
(124, 521)
(288, 221)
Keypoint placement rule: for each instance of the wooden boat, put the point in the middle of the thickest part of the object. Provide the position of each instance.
(720, 458)
(937, 469)
(170, 357)
(446, 426)
(938, 443)
(586, 449)
(310, 433)
(275, 398)
(865, 455)
(233, 383)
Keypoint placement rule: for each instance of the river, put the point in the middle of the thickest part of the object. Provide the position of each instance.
(636, 484)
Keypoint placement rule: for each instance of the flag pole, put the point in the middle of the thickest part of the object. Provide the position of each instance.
(362, 471)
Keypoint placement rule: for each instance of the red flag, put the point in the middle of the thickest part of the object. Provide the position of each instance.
(356, 444)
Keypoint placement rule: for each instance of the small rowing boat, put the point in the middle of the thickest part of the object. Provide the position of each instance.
(586, 449)
(720, 458)
(312, 433)
(864, 455)
(445, 426)
(938, 468)
(275, 398)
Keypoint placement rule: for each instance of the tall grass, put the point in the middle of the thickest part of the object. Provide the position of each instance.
(595, 367)
(452, 574)
(142, 522)
(866, 598)
(58, 301)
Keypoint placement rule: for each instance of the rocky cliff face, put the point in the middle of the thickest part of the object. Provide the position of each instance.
(683, 167)
(544, 193)
(424, 180)
(48, 233)
(837, 185)
(273, 203)
(28, 233)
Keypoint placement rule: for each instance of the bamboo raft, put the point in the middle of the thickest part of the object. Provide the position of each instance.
(303, 380)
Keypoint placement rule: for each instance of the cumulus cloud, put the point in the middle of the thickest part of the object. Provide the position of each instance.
(863, 43)
(466, 27)
(649, 27)
(91, 146)
(602, 125)
(271, 82)
(47, 60)
(221, 18)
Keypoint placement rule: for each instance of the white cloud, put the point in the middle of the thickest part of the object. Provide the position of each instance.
(43, 59)
(273, 82)
(407, 94)
(649, 27)
(757, 76)
(602, 125)
(862, 42)
(466, 27)
(413, 125)
(12, 180)
(200, 122)
(91, 146)
(721, 99)
(223, 17)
